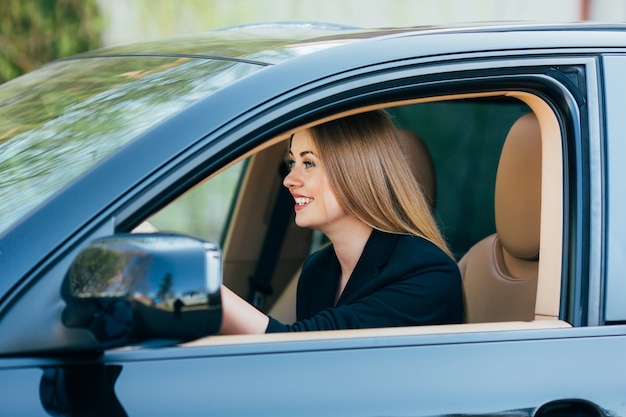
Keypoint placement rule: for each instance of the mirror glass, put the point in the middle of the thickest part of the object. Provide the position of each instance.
(135, 287)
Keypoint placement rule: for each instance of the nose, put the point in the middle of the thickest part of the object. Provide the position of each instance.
(292, 180)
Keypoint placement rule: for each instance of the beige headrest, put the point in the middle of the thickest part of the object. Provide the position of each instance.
(420, 162)
(518, 189)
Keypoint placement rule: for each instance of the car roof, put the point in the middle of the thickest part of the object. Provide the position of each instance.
(263, 43)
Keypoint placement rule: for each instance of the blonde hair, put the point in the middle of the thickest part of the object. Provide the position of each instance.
(371, 178)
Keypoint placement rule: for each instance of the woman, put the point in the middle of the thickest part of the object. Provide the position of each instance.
(387, 264)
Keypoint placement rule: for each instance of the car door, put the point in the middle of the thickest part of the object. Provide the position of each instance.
(536, 368)
(481, 369)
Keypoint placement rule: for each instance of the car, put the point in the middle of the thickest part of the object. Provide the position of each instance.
(137, 179)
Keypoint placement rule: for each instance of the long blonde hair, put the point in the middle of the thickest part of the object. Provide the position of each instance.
(371, 177)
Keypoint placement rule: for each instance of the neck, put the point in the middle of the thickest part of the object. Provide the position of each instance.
(348, 244)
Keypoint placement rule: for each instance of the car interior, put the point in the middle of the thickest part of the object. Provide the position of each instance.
(490, 165)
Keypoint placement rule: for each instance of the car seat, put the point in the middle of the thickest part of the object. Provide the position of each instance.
(500, 272)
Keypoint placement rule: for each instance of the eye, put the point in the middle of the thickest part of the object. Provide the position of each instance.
(308, 164)
(290, 163)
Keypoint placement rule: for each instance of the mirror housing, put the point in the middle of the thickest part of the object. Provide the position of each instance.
(131, 288)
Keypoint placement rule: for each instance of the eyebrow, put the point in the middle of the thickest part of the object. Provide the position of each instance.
(303, 153)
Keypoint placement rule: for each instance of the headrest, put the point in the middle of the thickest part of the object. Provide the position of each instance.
(421, 163)
(518, 190)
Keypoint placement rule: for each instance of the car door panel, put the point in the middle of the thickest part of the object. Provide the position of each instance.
(482, 378)
(495, 373)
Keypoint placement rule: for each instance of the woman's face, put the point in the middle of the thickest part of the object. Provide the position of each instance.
(316, 205)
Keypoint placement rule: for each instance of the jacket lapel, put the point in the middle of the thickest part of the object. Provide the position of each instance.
(376, 254)
(325, 288)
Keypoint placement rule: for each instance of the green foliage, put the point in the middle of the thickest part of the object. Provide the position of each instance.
(95, 271)
(33, 32)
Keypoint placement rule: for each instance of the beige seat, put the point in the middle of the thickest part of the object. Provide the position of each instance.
(421, 163)
(420, 160)
(500, 271)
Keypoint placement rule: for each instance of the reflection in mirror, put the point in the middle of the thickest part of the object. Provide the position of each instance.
(137, 287)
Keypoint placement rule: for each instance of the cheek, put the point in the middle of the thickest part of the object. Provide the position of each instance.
(331, 203)
(334, 210)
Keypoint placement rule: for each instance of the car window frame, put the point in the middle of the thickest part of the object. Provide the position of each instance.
(534, 68)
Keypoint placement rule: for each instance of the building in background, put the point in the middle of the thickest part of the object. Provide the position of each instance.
(133, 20)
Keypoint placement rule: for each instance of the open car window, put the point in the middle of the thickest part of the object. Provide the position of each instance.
(464, 136)
(206, 210)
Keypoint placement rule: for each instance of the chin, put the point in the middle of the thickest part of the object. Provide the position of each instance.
(306, 223)
(301, 222)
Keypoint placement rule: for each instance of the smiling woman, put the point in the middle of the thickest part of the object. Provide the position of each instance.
(387, 264)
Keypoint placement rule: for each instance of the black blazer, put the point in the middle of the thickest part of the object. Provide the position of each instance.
(399, 280)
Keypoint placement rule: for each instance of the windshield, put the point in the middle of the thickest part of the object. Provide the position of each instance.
(61, 120)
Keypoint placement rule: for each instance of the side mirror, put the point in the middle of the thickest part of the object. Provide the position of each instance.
(137, 287)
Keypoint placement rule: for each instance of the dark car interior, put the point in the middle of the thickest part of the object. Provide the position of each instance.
(481, 159)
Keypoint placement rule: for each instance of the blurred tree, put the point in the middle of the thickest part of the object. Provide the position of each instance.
(33, 32)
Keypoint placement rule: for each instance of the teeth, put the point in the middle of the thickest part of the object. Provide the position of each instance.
(303, 200)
